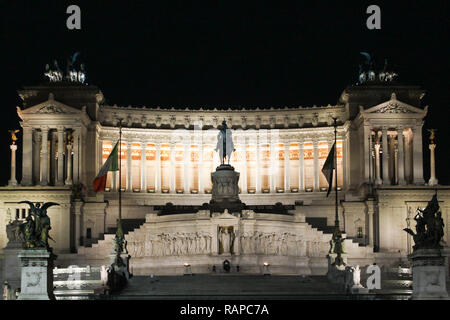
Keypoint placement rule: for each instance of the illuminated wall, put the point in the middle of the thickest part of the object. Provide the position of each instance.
(340, 164)
(151, 166)
(208, 158)
(323, 154)
(251, 168)
(308, 153)
(165, 167)
(237, 162)
(136, 153)
(106, 151)
(243, 163)
(179, 167)
(279, 166)
(123, 164)
(294, 165)
(265, 167)
(193, 168)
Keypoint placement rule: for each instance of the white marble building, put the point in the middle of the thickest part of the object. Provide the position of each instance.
(167, 156)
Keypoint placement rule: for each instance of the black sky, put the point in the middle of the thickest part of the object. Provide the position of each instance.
(227, 53)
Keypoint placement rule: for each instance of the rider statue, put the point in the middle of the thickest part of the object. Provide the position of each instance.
(225, 145)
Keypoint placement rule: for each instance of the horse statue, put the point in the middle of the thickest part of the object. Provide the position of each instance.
(225, 145)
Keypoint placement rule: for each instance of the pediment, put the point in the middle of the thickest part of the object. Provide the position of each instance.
(51, 106)
(394, 106)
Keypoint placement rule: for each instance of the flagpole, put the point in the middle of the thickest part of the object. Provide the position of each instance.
(120, 169)
(119, 232)
(336, 221)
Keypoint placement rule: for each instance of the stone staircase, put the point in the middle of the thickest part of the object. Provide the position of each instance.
(104, 246)
(128, 225)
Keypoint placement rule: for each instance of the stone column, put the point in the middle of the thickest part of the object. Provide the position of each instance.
(370, 219)
(366, 155)
(186, 178)
(244, 167)
(77, 204)
(316, 164)
(69, 164)
(60, 180)
(378, 180)
(76, 159)
(129, 186)
(44, 156)
(200, 168)
(258, 166)
(27, 156)
(433, 180)
(53, 155)
(301, 181)
(344, 161)
(144, 166)
(172, 168)
(385, 157)
(36, 163)
(286, 167)
(158, 167)
(417, 155)
(13, 181)
(272, 168)
(401, 157)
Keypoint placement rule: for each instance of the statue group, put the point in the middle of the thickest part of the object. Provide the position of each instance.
(34, 231)
(55, 74)
(429, 227)
(367, 71)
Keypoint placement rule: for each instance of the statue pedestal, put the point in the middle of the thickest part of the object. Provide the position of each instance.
(429, 277)
(11, 266)
(225, 190)
(122, 269)
(336, 274)
(37, 274)
(359, 290)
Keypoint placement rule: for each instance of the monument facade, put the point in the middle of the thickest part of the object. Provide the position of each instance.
(174, 183)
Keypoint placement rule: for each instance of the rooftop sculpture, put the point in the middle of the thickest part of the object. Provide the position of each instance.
(55, 74)
(368, 72)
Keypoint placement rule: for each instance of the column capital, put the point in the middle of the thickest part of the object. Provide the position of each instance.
(44, 128)
(26, 127)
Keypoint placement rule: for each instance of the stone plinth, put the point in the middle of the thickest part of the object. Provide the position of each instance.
(11, 266)
(37, 274)
(225, 189)
(336, 273)
(429, 277)
(125, 259)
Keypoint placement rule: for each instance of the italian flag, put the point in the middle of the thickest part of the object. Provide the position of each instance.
(111, 164)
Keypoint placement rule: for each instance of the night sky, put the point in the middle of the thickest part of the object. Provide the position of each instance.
(227, 54)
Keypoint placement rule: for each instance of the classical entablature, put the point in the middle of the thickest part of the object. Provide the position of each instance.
(53, 113)
(392, 112)
(210, 136)
(256, 118)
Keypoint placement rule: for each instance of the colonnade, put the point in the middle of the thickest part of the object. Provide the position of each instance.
(284, 166)
(51, 156)
(396, 155)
